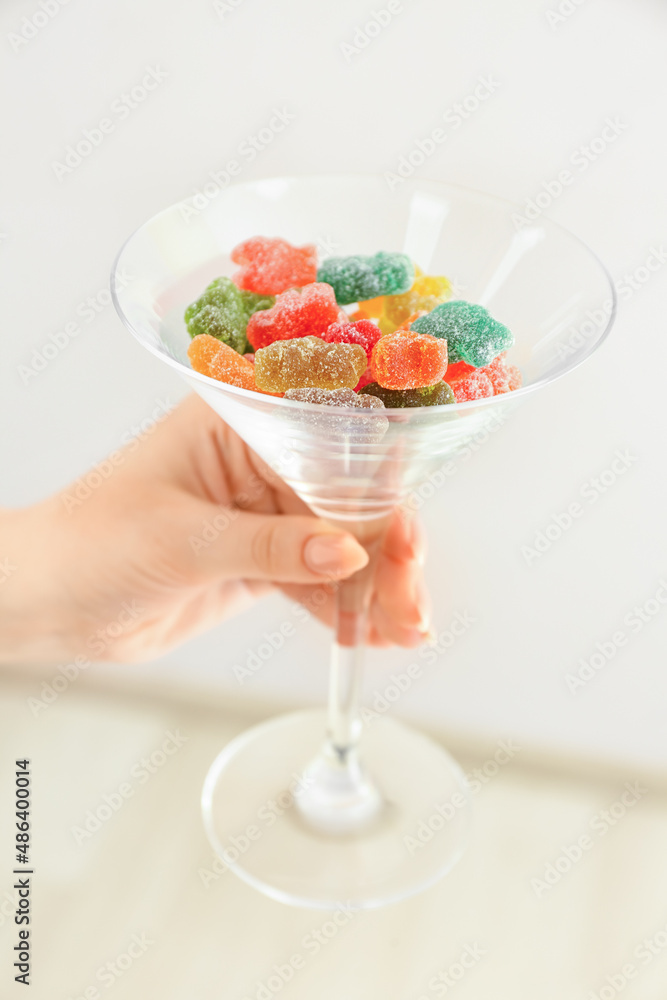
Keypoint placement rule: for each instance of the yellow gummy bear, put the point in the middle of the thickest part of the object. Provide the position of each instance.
(386, 326)
(427, 292)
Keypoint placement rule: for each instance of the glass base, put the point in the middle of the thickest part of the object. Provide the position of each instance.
(253, 805)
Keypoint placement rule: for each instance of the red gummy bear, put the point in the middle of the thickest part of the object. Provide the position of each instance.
(516, 378)
(307, 313)
(363, 332)
(458, 369)
(504, 377)
(473, 385)
(365, 379)
(499, 374)
(406, 359)
(270, 266)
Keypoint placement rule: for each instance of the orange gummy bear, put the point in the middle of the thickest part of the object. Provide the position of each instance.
(211, 357)
(408, 360)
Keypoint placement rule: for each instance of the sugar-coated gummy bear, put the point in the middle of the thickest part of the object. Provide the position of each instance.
(365, 379)
(335, 397)
(370, 309)
(362, 332)
(329, 418)
(498, 374)
(430, 395)
(408, 360)
(516, 378)
(305, 313)
(407, 323)
(386, 326)
(210, 356)
(475, 385)
(220, 312)
(253, 302)
(458, 369)
(427, 292)
(472, 334)
(504, 377)
(356, 278)
(306, 362)
(272, 265)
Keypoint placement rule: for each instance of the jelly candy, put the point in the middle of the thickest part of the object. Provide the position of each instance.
(408, 360)
(335, 397)
(475, 385)
(308, 361)
(365, 379)
(472, 334)
(386, 326)
(370, 309)
(516, 378)
(210, 356)
(504, 377)
(458, 370)
(356, 278)
(362, 332)
(270, 266)
(367, 429)
(427, 292)
(252, 302)
(407, 323)
(430, 395)
(295, 314)
(220, 312)
(498, 375)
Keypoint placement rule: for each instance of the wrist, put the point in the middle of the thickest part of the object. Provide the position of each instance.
(35, 624)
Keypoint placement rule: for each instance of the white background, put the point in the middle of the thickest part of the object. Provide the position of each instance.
(226, 72)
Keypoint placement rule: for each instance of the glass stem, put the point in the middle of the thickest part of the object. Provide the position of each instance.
(351, 617)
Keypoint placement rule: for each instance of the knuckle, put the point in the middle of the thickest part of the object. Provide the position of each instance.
(266, 548)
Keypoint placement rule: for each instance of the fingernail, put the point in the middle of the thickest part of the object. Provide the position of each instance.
(334, 555)
(423, 602)
(418, 541)
(414, 637)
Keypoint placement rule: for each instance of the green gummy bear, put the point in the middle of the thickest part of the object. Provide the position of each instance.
(471, 332)
(357, 278)
(221, 312)
(429, 395)
(254, 302)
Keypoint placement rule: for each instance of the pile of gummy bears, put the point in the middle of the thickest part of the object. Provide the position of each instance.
(279, 327)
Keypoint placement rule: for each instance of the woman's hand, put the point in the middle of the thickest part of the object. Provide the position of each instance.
(188, 529)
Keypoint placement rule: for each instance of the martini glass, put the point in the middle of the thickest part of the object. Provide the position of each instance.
(316, 808)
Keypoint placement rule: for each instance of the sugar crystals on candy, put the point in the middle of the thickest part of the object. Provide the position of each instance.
(307, 362)
(220, 312)
(408, 360)
(272, 265)
(356, 277)
(304, 313)
(212, 357)
(471, 332)
(430, 395)
(335, 397)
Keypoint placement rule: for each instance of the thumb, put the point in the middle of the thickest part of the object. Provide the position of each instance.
(277, 547)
